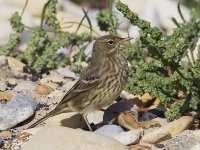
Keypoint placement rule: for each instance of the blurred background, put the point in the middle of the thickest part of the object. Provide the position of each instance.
(158, 12)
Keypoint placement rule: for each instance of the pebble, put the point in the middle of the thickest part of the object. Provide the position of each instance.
(6, 95)
(5, 134)
(183, 142)
(109, 130)
(15, 65)
(153, 113)
(156, 136)
(25, 85)
(129, 137)
(60, 138)
(18, 109)
(43, 89)
(128, 120)
(158, 145)
(67, 73)
(177, 126)
(169, 130)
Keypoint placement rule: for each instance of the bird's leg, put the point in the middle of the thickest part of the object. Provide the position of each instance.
(88, 124)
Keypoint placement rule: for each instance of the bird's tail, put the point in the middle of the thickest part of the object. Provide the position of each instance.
(50, 114)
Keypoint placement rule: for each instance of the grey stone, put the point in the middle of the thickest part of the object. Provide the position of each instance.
(129, 137)
(16, 110)
(109, 130)
(183, 142)
(67, 73)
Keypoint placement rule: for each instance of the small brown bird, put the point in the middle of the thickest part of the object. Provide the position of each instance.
(100, 84)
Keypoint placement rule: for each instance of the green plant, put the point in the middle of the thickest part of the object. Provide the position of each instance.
(166, 76)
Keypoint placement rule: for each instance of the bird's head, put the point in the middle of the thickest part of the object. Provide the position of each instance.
(108, 45)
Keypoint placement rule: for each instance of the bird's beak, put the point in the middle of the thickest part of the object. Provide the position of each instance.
(125, 39)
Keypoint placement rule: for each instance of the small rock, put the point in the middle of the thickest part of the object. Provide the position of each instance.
(70, 139)
(128, 120)
(5, 134)
(67, 73)
(18, 109)
(156, 136)
(129, 137)
(170, 130)
(183, 142)
(25, 85)
(6, 74)
(109, 130)
(177, 126)
(15, 65)
(6, 95)
(158, 145)
(72, 120)
(139, 147)
(3, 61)
(43, 89)
(153, 113)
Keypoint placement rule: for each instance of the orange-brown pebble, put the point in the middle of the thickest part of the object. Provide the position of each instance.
(6, 95)
(44, 89)
(128, 120)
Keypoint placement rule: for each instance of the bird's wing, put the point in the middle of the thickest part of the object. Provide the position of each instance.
(88, 80)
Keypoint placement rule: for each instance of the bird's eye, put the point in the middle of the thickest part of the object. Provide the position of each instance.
(110, 42)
